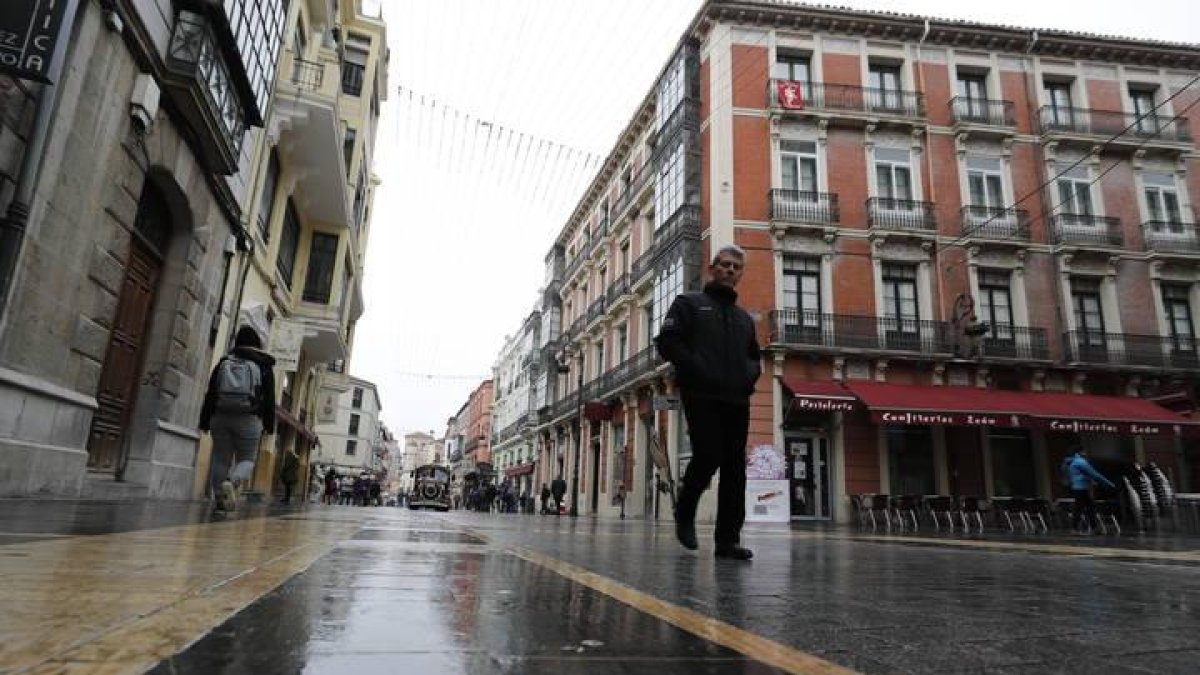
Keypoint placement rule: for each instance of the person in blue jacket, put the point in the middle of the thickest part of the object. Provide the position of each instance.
(1079, 474)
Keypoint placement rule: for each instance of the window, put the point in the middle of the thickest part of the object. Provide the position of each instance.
(1089, 317)
(1061, 112)
(893, 177)
(617, 452)
(667, 287)
(885, 87)
(1143, 107)
(798, 161)
(985, 184)
(289, 242)
(354, 420)
(900, 298)
(910, 460)
(354, 69)
(322, 258)
(348, 148)
(794, 68)
(624, 259)
(1162, 201)
(1075, 196)
(266, 207)
(670, 91)
(995, 303)
(598, 359)
(257, 29)
(622, 343)
(802, 292)
(351, 448)
(299, 42)
(972, 92)
(1012, 463)
(1178, 309)
(356, 398)
(668, 194)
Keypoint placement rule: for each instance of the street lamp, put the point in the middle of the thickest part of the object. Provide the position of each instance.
(563, 368)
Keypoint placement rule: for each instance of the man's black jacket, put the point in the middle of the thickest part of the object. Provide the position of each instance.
(711, 343)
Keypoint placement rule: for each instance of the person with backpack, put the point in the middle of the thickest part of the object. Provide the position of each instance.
(238, 409)
(1078, 474)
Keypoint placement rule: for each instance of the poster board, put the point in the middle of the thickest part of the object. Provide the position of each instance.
(767, 486)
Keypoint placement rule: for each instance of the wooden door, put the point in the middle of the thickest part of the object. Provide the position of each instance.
(123, 362)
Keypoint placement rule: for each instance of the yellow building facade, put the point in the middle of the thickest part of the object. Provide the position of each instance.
(309, 213)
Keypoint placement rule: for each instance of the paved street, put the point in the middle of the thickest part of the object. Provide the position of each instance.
(124, 588)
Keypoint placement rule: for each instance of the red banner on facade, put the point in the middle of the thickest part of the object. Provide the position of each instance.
(790, 94)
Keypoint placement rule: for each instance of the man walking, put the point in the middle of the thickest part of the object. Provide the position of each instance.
(713, 346)
(558, 488)
(1080, 474)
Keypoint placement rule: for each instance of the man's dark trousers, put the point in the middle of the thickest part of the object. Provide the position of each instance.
(718, 434)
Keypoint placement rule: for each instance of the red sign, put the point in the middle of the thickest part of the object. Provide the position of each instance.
(522, 470)
(597, 412)
(790, 94)
(946, 419)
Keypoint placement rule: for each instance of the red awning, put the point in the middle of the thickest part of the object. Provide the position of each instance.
(522, 470)
(971, 406)
(819, 396)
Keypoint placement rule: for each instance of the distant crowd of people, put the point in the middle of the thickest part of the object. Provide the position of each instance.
(361, 490)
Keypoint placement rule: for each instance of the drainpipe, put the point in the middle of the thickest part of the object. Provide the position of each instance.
(12, 226)
(939, 310)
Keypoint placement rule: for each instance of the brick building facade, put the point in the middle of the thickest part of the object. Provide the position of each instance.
(899, 184)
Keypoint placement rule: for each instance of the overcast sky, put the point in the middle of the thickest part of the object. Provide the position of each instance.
(497, 114)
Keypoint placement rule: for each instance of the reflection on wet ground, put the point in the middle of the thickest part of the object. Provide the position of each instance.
(106, 587)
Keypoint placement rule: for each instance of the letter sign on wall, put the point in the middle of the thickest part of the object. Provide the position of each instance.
(28, 32)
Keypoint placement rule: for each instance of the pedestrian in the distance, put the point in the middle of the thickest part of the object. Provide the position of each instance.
(713, 346)
(238, 409)
(558, 488)
(545, 495)
(1080, 474)
(289, 474)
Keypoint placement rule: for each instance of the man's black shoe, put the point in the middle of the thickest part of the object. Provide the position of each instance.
(686, 534)
(734, 552)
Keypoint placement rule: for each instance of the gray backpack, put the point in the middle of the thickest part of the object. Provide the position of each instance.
(238, 385)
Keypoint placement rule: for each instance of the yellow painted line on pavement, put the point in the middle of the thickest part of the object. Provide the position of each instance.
(754, 646)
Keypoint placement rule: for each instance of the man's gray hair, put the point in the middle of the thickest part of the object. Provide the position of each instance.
(730, 249)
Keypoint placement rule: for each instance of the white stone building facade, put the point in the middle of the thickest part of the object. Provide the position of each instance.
(349, 443)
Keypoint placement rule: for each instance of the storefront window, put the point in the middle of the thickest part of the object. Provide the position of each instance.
(910, 461)
(1012, 464)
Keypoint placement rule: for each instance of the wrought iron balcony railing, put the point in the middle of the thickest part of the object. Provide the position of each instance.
(1082, 228)
(801, 206)
(642, 265)
(308, 74)
(903, 215)
(986, 222)
(1162, 235)
(597, 308)
(792, 327)
(1063, 119)
(1124, 349)
(635, 186)
(819, 95)
(836, 331)
(685, 222)
(619, 288)
(970, 110)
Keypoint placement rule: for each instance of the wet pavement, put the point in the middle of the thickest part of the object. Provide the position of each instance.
(136, 587)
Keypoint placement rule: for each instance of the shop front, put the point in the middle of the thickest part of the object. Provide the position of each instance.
(923, 441)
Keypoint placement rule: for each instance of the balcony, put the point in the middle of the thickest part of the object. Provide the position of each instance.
(1086, 230)
(596, 309)
(598, 237)
(1083, 123)
(642, 266)
(202, 82)
(636, 186)
(983, 113)
(790, 96)
(307, 112)
(835, 332)
(574, 266)
(1123, 349)
(803, 207)
(1171, 237)
(995, 224)
(685, 222)
(900, 215)
(619, 288)
(686, 117)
